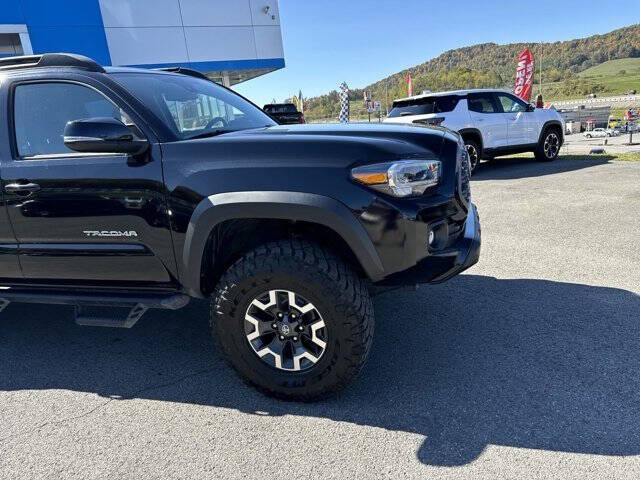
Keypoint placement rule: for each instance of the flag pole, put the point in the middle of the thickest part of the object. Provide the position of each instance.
(541, 52)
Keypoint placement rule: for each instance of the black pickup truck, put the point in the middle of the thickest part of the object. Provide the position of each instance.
(143, 189)
(284, 113)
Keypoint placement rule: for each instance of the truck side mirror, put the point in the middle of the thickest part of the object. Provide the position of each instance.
(102, 135)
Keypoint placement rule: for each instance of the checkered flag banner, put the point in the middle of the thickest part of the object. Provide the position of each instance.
(344, 103)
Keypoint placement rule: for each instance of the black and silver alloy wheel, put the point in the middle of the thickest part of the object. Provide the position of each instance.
(551, 145)
(473, 155)
(293, 319)
(285, 330)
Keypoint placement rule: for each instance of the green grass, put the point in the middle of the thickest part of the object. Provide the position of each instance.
(613, 67)
(619, 157)
(627, 157)
(606, 74)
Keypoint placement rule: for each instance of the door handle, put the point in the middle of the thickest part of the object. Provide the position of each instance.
(21, 188)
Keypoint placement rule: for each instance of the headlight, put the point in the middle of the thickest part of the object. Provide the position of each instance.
(403, 178)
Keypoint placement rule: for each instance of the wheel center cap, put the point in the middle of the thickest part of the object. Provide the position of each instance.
(285, 329)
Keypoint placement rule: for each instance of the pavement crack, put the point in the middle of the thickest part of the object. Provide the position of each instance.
(104, 404)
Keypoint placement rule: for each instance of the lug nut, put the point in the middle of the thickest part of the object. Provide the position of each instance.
(293, 315)
(274, 325)
(279, 314)
(295, 339)
(300, 328)
(281, 337)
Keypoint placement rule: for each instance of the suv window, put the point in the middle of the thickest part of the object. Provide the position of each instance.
(42, 110)
(423, 106)
(511, 104)
(482, 103)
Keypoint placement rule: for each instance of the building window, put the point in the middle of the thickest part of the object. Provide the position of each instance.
(10, 44)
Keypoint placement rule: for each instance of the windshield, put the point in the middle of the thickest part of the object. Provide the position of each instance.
(192, 107)
(423, 106)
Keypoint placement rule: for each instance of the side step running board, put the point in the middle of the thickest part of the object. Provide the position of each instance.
(138, 303)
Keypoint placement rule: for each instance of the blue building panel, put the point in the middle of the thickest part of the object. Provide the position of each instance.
(65, 39)
(11, 13)
(224, 39)
(51, 13)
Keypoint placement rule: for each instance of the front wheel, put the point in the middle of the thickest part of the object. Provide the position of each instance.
(293, 320)
(473, 152)
(549, 146)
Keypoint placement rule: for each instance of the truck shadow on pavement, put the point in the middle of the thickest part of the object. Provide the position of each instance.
(474, 362)
(512, 168)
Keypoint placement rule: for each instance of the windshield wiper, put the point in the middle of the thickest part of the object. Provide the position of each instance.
(210, 133)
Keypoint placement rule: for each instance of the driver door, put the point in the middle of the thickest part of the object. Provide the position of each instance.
(81, 217)
(520, 122)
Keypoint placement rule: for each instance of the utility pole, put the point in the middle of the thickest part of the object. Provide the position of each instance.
(386, 95)
(541, 52)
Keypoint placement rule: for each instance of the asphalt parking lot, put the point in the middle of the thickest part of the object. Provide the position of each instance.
(578, 143)
(527, 366)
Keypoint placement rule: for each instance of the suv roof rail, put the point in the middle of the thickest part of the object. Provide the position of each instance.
(184, 71)
(50, 60)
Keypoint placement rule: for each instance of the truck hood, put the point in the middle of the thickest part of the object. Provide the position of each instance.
(356, 141)
(317, 146)
(371, 130)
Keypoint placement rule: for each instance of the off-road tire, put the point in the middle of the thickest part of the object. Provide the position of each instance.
(323, 279)
(545, 152)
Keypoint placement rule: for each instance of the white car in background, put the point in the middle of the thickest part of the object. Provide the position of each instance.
(600, 133)
(492, 123)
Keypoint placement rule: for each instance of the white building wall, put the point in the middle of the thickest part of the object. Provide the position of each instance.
(149, 32)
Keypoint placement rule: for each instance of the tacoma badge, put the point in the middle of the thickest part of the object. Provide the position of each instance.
(110, 233)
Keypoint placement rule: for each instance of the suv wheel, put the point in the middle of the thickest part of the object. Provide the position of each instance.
(473, 152)
(549, 146)
(293, 320)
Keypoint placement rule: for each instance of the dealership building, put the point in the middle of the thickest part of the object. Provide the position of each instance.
(229, 40)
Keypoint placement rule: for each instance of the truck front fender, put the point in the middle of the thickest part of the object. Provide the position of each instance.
(306, 207)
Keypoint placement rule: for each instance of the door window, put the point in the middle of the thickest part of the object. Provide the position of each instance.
(42, 110)
(482, 103)
(510, 104)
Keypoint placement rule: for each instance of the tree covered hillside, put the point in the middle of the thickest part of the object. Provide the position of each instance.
(492, 65)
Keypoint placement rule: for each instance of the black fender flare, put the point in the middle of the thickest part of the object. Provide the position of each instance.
(306, 207)
(476, 133)
(551, 123)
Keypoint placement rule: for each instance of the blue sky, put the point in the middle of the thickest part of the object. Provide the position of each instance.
(361, 41)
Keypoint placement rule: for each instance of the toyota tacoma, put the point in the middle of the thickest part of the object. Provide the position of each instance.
(144, 189)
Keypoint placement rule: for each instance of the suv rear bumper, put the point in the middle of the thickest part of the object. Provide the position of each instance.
(442, 265)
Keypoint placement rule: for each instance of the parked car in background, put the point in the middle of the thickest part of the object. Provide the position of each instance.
(284, 113)
(491, 122)
(599, 133)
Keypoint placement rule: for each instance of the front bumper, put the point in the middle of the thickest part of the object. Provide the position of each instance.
(440, 266)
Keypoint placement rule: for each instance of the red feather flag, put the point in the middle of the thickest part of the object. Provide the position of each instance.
(524, 75)
(409, 85)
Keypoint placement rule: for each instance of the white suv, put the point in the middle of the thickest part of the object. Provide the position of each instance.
(491, 122)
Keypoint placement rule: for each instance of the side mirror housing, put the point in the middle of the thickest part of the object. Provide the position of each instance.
(102, 135)
(530, 107)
